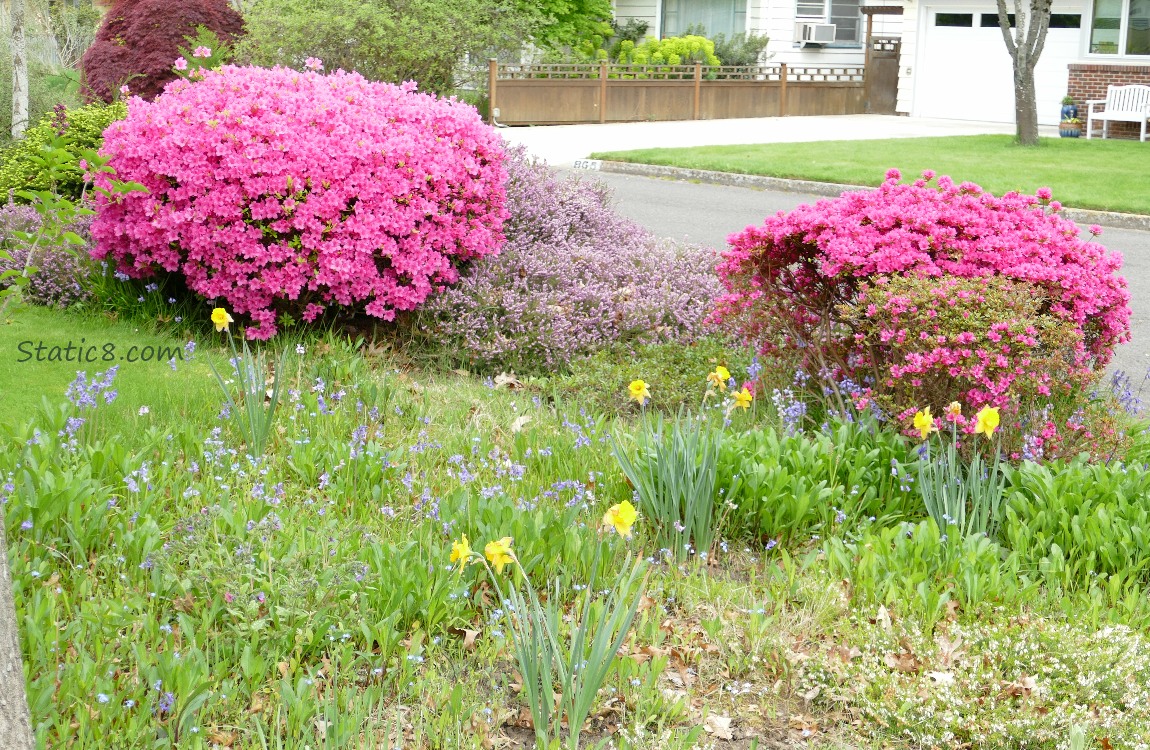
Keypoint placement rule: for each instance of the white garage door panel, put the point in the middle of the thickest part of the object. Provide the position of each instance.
(965, 73)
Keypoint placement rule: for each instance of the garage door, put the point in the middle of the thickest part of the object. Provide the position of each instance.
(964, 70)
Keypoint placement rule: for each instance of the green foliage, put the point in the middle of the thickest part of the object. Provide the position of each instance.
(916, 566)
(741, 49)
(633, 32)
(676, 373)
(56, 163)
(674, 50)
(555, 24)
(673, 468)
(1078, 522)
(47, 87)
(548, 543)
(963, 499)
(623, 49)
(385, 40)
(222, 52)
(311, 602)
(578, 664)
(21, 167)
(791, 486)
(1137, 452)
(255, 412)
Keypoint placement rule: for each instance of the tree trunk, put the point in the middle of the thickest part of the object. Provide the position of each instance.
(1025, 43)
(15, 721)
(19, 71)
(1025, 105)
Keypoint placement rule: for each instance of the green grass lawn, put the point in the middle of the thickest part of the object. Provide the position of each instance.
(1105, 175)
(34, 364)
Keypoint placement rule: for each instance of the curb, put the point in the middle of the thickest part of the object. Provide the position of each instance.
(1112, 219)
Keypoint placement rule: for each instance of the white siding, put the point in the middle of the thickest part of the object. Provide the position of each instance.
(644, 10)
(907, 52)
(777, 19)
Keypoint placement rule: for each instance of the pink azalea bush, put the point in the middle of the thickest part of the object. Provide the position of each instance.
(282, 193)
(574, 277)
(986, 340)
(979, 340)
(929, 294)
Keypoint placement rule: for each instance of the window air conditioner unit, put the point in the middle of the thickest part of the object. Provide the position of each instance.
(814, 33)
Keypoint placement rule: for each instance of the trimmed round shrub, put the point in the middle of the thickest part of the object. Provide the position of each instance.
(139, 41)
(280, 193)
(573, 278)
(816, 288)
(81, 127)
(61, 273)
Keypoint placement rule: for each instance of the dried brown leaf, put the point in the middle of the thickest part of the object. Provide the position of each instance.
(904, 661)
(507, 380)
(719, 726)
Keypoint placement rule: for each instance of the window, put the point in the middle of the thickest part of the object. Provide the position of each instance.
(1120, 27)
(1057, 20)
(954, 19)
(727, 17)
(844, 14)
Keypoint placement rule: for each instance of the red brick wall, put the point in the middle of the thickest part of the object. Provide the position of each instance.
(1089, 81)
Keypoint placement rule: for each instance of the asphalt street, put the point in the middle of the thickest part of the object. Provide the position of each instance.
(707, 214)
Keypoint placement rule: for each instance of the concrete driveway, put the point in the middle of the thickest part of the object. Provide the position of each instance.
(561, 145)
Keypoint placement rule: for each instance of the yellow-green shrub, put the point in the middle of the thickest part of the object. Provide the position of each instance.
(84, 130)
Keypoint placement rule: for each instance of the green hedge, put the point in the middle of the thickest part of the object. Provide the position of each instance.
(18, 169)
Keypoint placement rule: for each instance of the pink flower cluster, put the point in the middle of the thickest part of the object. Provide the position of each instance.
(274, 191)
(981, 341)
(788, 280)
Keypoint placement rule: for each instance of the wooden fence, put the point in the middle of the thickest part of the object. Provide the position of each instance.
(566, 93)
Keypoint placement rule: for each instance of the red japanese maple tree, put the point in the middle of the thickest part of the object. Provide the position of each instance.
(140, 39)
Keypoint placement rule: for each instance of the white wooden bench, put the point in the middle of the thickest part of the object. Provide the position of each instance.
(1123, 104)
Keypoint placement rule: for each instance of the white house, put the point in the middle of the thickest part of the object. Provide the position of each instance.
(953, 62)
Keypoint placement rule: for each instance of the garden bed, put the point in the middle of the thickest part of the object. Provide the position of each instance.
(464, 459)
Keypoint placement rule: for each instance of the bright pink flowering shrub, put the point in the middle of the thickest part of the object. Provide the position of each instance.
(986, 340)
(276, 192)
(798, 287)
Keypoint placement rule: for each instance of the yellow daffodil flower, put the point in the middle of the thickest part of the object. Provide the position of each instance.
(953, 411)
(719, 377)
(221, 319)
(621, 517)
(986, 421)
(499, 553)
(743, 398)
(924, 423)
(461, 552)
(639, 391)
